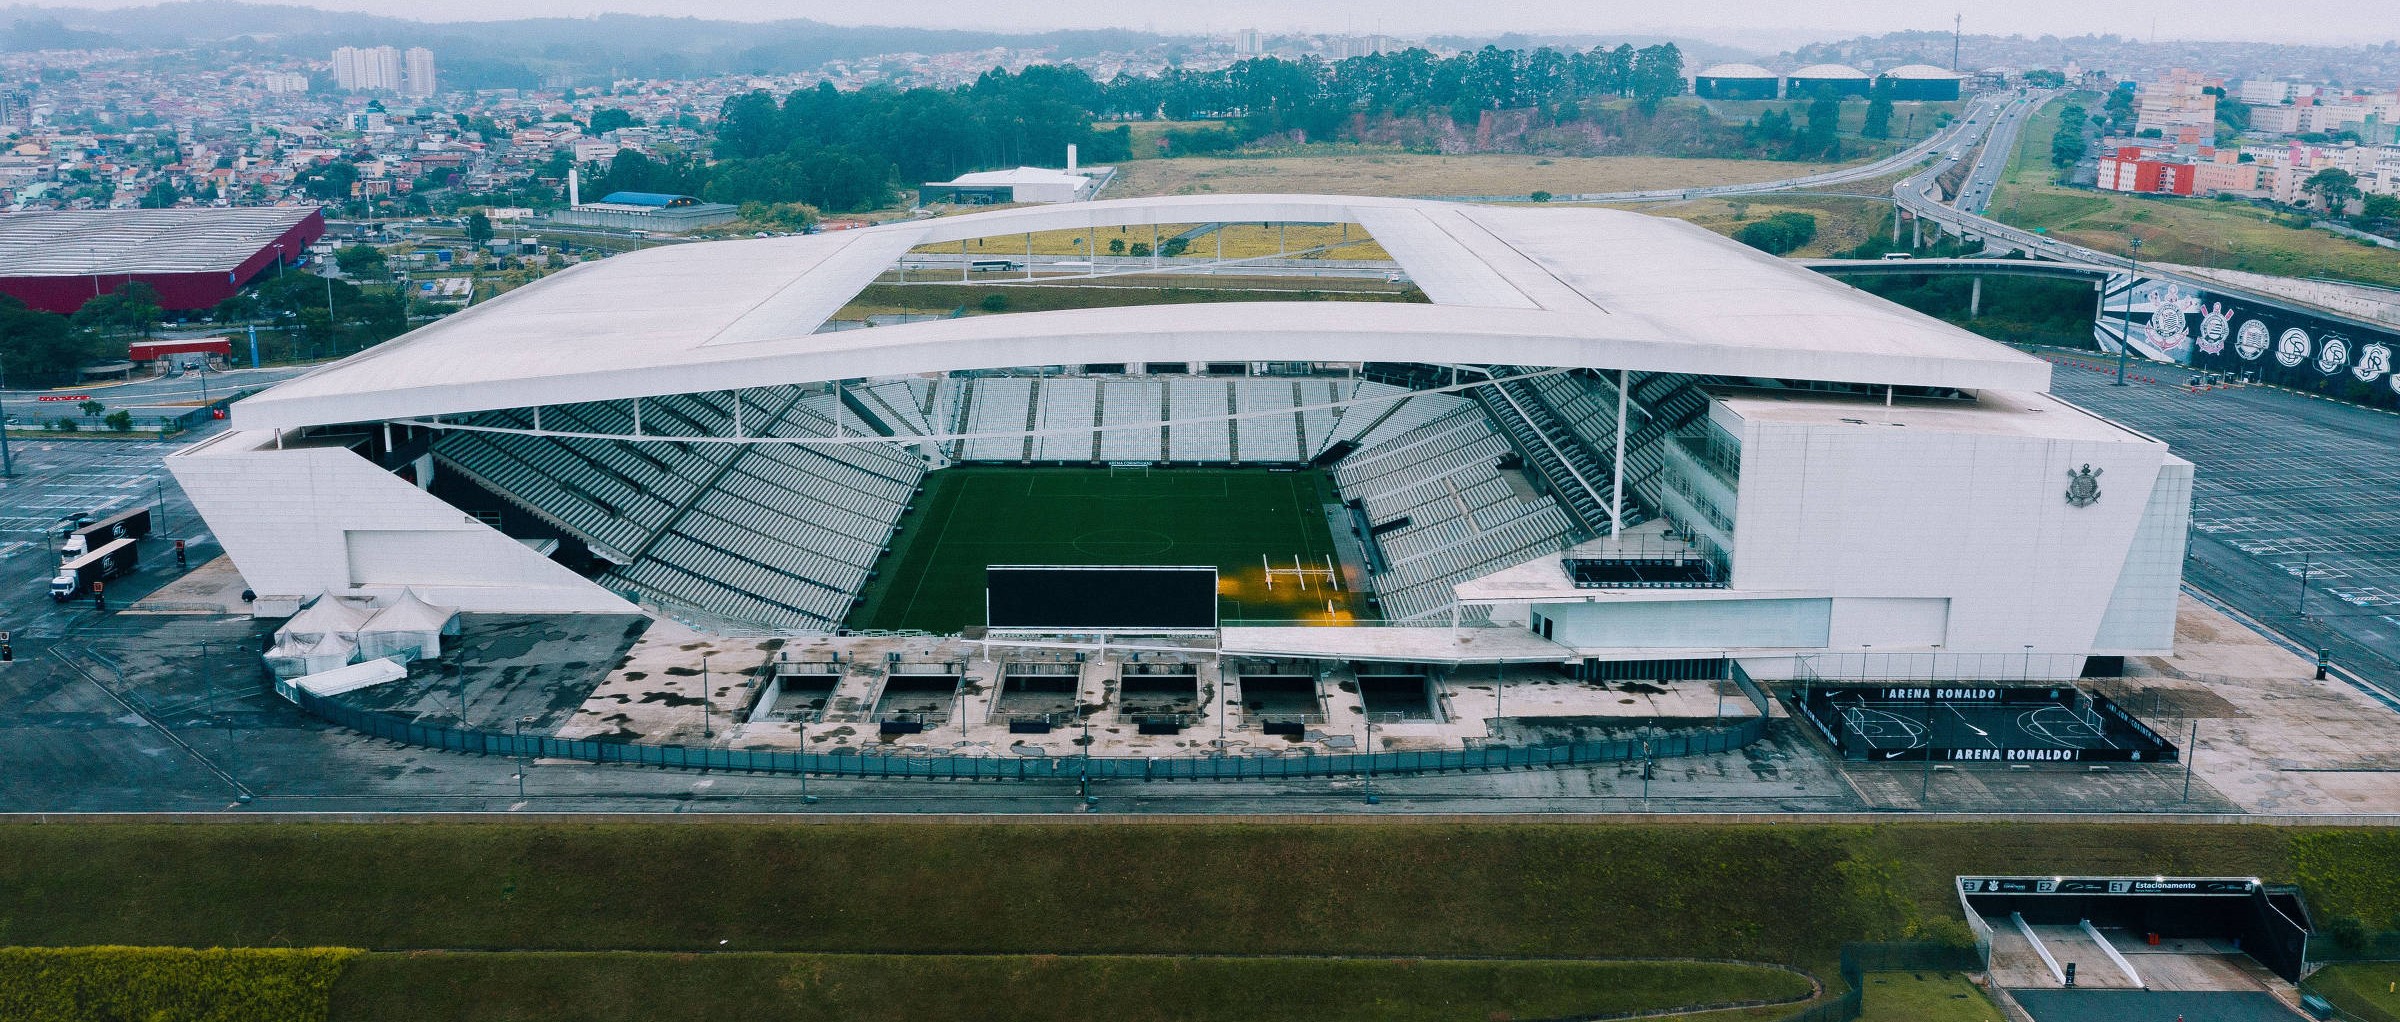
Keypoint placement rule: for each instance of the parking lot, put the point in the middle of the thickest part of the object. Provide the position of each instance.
(2294, 495)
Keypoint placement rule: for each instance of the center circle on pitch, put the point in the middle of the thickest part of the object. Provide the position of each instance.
(1121, 542)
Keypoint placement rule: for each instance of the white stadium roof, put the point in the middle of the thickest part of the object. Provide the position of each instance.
(1829, 72)
(1734, 71)
(82, 242)
(1548, 286)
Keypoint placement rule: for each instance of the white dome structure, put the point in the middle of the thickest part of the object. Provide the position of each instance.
(1843, 79)
(1735, 81)
(1923, 83)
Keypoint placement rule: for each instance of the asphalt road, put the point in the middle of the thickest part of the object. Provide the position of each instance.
(27, 406)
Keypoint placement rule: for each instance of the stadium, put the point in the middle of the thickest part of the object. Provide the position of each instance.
(1551, 445)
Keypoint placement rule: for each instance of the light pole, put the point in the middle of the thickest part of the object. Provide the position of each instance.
(1370, 750)
(806, 799)
(8, 463)
(523, 761)
(2133, 278)
(2308, 566)
(706, 730)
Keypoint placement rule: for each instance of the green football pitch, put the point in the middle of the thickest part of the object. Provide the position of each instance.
(972, 517)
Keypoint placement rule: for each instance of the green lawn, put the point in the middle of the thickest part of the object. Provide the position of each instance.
(541, 987)
(972, 517)
(1787, 892)
(2369, 990)
(1926, 997)
(951, 903)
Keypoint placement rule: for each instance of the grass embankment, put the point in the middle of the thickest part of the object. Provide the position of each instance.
(1786, 893)
(1001, 988)
(1843, 222)
(1926, 997)
(168, 984)
(2190, 231)
(2367, 990)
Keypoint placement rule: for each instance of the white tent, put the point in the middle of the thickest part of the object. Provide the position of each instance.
(329, 615)
(409, 629)
(352, 678)
(293, 658)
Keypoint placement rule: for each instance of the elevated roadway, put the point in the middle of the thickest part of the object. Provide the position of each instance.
(1921, 195)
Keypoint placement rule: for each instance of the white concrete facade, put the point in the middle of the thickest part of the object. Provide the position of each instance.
(1926, 539)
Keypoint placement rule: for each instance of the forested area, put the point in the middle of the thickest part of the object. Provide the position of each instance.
(844, 151)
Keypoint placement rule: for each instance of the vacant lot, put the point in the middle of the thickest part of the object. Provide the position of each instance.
(1414, 174)
(1007, 988)
(2194, 232)
(1843, 223)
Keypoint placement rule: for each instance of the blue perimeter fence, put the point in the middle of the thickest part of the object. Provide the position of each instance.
(1694, 742)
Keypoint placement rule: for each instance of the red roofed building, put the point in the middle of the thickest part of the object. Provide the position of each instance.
(194, 258)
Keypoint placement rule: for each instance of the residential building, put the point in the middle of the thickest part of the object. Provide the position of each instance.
(367, 69)
(2177, 104)
(2132, 170)
(416, 79)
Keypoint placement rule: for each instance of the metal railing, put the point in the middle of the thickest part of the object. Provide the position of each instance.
(897, 763)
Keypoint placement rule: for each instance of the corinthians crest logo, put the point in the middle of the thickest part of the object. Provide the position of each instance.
(2083, 487)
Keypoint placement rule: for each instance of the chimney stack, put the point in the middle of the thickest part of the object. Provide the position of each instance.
(574, 189)
(1070, 157)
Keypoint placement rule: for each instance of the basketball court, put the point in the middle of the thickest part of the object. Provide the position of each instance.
(1969, 723)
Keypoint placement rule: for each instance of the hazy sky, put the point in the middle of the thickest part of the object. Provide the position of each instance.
(1740, 22)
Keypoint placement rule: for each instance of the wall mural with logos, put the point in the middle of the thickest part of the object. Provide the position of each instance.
(2226, 334)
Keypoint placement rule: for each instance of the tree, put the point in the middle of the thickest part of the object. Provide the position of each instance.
(1820, 141)
(162, 195)
(2378, 208)
(749, 125)
(1879, 110)
(329, 181)
(91, 409)
(1657, 74)
(120, 421)
(1779, 234)
(129, 311)
(2068, 147)
(478, 228)
(791, 216)
(2120, 104)
(360, 261)
(2333, 186)
(609, 118)
(41, 345)
(1116, 246)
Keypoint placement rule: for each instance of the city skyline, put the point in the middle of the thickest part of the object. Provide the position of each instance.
(1735, 22)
